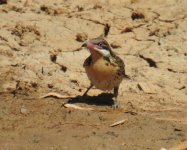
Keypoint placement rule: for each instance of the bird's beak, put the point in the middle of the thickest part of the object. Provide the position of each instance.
(94, 47)
(88, 45)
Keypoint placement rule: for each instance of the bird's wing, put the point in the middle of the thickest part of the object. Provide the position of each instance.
(121, 65)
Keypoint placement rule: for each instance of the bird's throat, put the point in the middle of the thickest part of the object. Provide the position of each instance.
(95, 55)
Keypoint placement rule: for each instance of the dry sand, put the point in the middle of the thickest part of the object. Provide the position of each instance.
(40, 52)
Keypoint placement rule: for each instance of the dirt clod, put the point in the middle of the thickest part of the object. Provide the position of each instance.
(127, 29)
(137, 15)
(115, 45)
(53, 58)
(81, 37)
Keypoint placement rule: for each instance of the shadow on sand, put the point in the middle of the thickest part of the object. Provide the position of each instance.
(104, 99)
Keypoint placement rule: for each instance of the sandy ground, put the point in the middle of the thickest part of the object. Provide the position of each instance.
(40, 53)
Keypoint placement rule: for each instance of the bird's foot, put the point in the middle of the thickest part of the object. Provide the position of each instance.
(115, 105)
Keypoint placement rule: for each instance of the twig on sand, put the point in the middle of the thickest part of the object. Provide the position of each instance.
(181, 146)
(76, 107)
(56, 95)
(66, 105)
(118, 123)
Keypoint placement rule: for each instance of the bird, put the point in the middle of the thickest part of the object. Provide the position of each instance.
(104, 68)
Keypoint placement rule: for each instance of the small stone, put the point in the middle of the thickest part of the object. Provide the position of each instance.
(147, 88)
(27, 39)
(34, 84)
(127, 29)
(97, 6)
(81, 37)
(9, 86)
(163, 148)
(80, 8)
(50, 85)
(137, 15)
(53, 57)
(43, 8)
(115, 45)
(23, 110)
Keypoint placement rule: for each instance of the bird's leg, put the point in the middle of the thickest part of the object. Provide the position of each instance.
(115, 105)
(85, 93)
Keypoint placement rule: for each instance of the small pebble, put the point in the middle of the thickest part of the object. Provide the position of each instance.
(23, 110)
(81, 37)
(115, 45)
(137, 15)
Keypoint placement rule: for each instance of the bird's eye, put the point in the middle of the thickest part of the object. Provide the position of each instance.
(100, 44)
(103, 46)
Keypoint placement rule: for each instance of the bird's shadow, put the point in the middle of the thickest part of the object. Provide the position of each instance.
(104, 99)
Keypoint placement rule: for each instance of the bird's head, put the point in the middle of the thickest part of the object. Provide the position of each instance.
(98, 46)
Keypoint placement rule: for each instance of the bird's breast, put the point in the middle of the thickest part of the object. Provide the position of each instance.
(103, 74)
(101, 70)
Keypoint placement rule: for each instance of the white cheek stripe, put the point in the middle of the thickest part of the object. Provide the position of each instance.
(103, 52)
